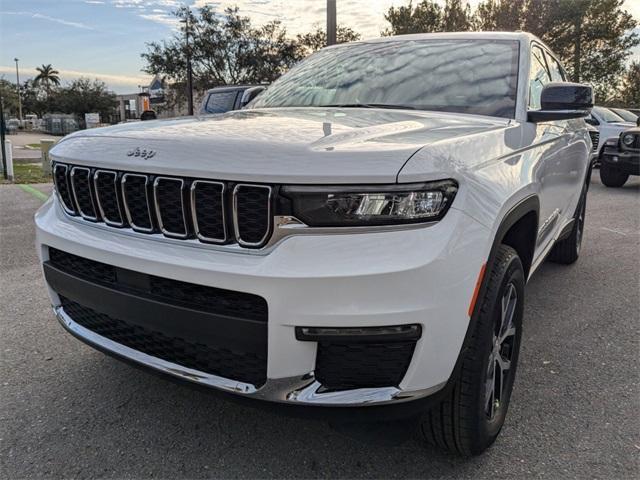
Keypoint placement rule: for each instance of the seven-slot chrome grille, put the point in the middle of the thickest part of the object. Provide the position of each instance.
(184, 208)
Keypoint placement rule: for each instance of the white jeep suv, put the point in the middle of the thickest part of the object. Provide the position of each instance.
(357, 240)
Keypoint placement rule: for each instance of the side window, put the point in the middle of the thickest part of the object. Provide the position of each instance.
(221, 102)
(538, 77)
(557, 74)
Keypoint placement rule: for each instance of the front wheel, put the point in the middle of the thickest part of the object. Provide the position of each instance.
(470, 417)
(611, 176)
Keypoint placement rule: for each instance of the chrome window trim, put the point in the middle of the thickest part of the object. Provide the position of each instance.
(194, 216)
(75, 195)
(146, 196)
(73, 213)
(236, 227)
(115, 189)
(156, 205)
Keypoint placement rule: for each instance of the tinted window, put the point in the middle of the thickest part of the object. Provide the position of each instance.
(538, 77)
(466, 76)
(607, 115)
(557, 74)
(220, 102)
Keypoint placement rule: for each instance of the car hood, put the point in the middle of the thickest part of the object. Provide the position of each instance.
(294, 145)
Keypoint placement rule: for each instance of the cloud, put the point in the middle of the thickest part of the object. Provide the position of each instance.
(119, 83)
(163, 18)
(94, 2)
(61, 21)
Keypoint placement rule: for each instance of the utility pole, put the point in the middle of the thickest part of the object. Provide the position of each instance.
(19, 96)
(331, 22)
(2, 129)
(189, 69)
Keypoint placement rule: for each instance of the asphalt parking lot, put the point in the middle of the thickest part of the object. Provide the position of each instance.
(69, 411)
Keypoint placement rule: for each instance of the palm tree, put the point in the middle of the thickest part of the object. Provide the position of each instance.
(47, 76)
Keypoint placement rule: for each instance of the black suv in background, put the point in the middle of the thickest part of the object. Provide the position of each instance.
(621, 158)
(232, 97)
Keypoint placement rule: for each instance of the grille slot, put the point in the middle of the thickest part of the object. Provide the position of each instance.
(61, 178)
(595, 139)
(343, 366)
(81, 186)
(170, 208)
(136, 201)
(106, 188)
(246, 367)
(252, 214)
(208, 210)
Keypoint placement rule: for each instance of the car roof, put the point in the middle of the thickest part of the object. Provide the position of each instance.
(520, 36)
(227, 88)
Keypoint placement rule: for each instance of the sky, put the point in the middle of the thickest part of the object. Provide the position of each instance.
(104, 38)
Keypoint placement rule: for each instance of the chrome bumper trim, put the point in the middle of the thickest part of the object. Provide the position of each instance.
(301, 390)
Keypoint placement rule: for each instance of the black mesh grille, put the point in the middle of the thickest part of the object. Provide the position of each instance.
(595, 139)
(107, 195)
(209, 207)
(82, 267)
(341, 366)
(168, 192)
(60, 176)
(134, 189)
(81, 179)
(191, 295)
(253, 213)
(242, 366)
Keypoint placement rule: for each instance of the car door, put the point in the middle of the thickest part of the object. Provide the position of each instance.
(547, 150)
(570, 169)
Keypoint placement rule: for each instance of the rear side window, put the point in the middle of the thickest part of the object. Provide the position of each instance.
(538, 77)
(221, 102)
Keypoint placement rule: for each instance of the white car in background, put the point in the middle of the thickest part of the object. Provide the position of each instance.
(609, 124)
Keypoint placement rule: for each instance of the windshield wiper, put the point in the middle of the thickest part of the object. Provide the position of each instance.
(369, 105)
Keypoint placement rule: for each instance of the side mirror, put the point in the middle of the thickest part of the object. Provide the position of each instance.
(562, 101)
(249, 94)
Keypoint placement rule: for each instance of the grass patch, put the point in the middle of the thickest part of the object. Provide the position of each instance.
(33, 146)
(27, 173)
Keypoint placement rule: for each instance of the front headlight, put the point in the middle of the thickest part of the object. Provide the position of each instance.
(627, 139)
(340, 206)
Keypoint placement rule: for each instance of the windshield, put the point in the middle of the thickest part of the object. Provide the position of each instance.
(607, 115)
(625, 114)
(465, 76)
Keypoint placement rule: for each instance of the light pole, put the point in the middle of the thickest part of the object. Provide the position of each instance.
(331, 22)
(19, 96)
(189, 69)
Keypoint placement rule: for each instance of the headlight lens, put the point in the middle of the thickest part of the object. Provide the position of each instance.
(627, 139)
(371, 205)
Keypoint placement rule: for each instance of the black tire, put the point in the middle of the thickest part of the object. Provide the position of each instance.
(612, 177)
(567, 251)
(461, 423)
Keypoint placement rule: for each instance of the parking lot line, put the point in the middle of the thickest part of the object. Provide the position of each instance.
(36, 193)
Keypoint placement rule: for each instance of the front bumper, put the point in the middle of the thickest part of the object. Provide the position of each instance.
(627, 161)
(422, 276)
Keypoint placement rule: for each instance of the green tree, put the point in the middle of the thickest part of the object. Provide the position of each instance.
(630, 91)
(497, 15)
(425, 17)
(47, 76)
(225, 49)
(314, 41)
(85, 96)
(456, 17)
(9, 94)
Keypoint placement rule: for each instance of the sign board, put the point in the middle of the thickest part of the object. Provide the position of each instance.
(156, 91)
(92, 120)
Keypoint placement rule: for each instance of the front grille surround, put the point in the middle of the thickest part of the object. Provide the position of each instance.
(219, 214)
(182, 208)
(241, 219)
(166, 224)
(80, 179)
(142, 212)
(110, 207)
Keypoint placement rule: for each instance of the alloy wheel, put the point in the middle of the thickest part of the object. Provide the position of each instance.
(499, 364)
